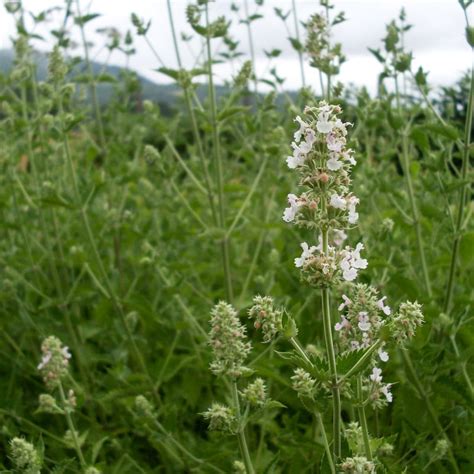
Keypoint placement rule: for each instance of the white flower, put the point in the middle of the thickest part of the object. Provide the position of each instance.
(303, 126)
(339, 237)
(342, 126)
(347, 156)
(323, 124)
(335, 142)
(44, 361)
(352, 262)
(344, 323)
(337, 201)
(333, 163)
(386, 309)
(376, 375)
(351, 205)
(346, 302)
(310, 136)
(386, 391)
(290, 212)
(299, 154)
(307, 252)
(364, 322)
(383, 355)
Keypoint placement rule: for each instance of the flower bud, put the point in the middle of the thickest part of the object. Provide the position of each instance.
(48, 404)
(54, 362)
(144, 408)
(303, 383)
(255, 393)
(221, 418)
(24, 456)
(266, 316)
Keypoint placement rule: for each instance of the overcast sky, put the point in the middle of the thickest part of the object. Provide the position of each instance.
(436, 39)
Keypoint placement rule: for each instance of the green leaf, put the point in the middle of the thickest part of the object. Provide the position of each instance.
(446, 131)
(82, 20)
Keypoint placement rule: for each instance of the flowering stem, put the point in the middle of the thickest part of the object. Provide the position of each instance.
(71, 426)
(297, 31)
(327, 323)
(218, 164)
(192, 115)
(319, 419)
(462, 198)
(363, 420)
(244, 450)
(252, 50)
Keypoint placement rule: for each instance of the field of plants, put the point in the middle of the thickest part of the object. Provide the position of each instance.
(249, 280)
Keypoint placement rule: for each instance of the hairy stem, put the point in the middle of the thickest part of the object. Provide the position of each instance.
(363, 420)
(319, 419)
(71, 427)
(244, 450)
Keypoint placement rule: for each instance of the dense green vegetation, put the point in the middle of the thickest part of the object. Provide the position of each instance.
(124, 223)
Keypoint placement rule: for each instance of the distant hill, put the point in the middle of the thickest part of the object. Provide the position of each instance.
(165, 94)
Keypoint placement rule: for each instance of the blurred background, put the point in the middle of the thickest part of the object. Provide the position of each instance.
(436, 39)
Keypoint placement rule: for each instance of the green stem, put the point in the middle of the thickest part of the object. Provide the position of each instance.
(244, 450)
(71, 426)
(219, 170)
(327, 323)
(319, 419)
(411, 198)
(297, 31)
(252, 49)
(462, 199)
(296, 344)
(363, 420)
(192, 115)
(93, 88)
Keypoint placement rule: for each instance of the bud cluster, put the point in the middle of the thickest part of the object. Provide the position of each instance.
(256, 393)
(24, 456)
(323, 56)
(357, 465)
(405, 322)
(54, 362)
(363, 314)
(303, 383)
(221, 418)
(266, 316)
(228, 340)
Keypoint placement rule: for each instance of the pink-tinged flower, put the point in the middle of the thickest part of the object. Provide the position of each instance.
(44, 360)
(290, 212)
(364, 322)
(339, 237)
(386, 309)
(307, 252)
(335, 142)
(344, 323)
(376, 375)
(346, 302)
(352, 262)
